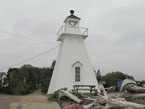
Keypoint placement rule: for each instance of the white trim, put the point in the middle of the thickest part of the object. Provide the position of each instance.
(77, 64)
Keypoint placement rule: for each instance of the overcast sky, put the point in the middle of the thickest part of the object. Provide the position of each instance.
(116, 39)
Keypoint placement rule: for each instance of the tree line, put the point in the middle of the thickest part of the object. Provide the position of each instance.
(24, 80)
(112, 78)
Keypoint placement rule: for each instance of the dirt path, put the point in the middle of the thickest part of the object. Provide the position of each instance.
(37, 92)
(32, 101)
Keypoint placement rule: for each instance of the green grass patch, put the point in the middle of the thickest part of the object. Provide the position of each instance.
(115, 92)
(88, 94)
(54, 96)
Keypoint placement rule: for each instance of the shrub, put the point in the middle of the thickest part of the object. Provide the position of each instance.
(45, 85)
(21, 88)
(77, 94)
(88, 94)
(54, 96)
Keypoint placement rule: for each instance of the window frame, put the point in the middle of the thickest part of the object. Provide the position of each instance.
(77, 74)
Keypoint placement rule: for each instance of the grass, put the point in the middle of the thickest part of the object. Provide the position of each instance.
(115, 92)
(88, 94)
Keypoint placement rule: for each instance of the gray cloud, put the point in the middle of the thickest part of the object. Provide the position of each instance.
(120, 45)
(116, 32)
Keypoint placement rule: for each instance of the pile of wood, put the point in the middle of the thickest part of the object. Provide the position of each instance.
(102, 101)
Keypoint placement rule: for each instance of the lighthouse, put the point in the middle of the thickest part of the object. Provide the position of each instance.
(72, 66)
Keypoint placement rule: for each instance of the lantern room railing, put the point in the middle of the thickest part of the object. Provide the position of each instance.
(72, 30)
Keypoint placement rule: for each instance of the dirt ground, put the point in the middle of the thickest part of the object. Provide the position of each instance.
(33, 101)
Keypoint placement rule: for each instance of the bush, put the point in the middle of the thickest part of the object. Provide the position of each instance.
(45, 85)
(0, 85)
(21, 89)
(78, 94)
(54, 96)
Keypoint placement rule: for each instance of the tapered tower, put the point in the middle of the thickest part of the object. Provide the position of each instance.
(72, 65)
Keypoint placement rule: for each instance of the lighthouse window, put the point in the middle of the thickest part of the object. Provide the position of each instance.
(77, 74)
(72, 23)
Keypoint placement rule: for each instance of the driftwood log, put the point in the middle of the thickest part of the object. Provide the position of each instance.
(134, 89)
(111, 101)
(118, 102)
(69, 95)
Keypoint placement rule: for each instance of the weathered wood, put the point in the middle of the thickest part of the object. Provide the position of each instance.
(111, 101)
(134, 89)
(89, 105)
(117, 102)
(120, 103)
(71, 96)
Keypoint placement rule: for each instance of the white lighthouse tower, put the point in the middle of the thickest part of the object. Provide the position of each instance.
(72, 65)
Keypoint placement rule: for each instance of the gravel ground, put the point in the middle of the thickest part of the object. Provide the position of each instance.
(32, 101)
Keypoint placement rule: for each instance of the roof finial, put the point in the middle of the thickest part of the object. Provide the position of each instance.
(72, 12)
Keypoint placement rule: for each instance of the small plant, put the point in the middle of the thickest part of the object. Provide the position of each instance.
(54, 96)
(88, 94)
(78, 94)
